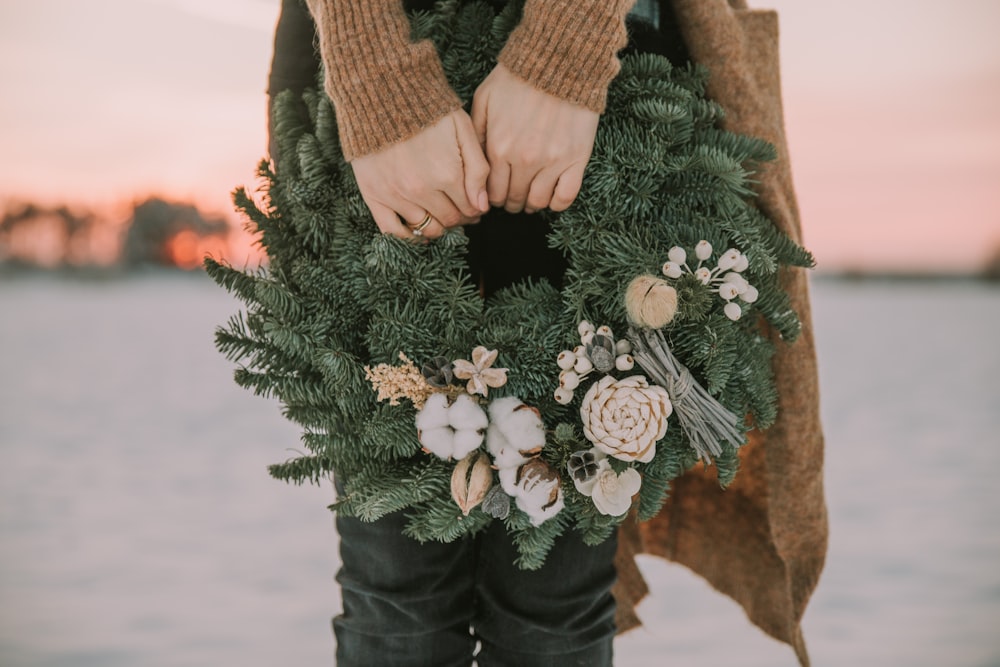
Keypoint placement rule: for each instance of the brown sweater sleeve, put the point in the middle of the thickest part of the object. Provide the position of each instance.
(385, 87)
(568, 48)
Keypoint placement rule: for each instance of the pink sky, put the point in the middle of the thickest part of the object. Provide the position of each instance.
(893, 113)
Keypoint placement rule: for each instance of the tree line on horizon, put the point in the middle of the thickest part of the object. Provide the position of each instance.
(156, 232)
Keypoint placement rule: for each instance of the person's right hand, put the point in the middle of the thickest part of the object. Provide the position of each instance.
(439, 171)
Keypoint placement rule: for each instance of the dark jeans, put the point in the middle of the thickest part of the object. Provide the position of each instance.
(413, 604)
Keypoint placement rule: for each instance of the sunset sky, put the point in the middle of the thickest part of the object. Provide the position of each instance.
(892, 108)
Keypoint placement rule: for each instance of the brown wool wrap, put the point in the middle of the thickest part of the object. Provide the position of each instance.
(763, 540)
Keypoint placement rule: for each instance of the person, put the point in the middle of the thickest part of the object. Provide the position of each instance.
(425, 167)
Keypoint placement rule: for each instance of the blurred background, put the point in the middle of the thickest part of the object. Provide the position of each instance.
(138, 525)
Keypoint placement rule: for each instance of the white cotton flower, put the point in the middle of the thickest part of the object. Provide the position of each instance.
(750, 295)
(451, 430)
(566, 359)
(623, 346)
(703, 275)
(434, 414)
(733, 311)
(563, 396)
(703, 250)
(677, 255)
(515, 432)
(742, 263)
(729, 259)
(535, 487)
(612, 492)
(624, 362)
(728, 291)
(466, 415)
(672, 270)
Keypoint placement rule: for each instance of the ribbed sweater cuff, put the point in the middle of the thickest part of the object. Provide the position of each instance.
(568, 48)
(384, 87)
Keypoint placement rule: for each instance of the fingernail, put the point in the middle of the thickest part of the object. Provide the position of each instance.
(484, 201)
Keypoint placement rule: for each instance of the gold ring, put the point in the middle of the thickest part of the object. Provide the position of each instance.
(419, 229)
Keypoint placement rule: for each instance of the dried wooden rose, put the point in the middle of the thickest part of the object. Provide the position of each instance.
(625, 418)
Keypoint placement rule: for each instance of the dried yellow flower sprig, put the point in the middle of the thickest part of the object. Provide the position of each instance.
(396, 382)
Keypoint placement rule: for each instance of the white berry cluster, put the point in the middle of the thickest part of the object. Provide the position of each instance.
(725, 279)
(598, 351)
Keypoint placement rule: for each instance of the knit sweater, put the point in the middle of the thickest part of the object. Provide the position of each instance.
(387, 88)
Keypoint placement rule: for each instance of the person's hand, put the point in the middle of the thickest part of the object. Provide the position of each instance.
(537, 144)
(441, 172)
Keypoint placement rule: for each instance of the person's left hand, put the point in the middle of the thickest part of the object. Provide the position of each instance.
(537, 144)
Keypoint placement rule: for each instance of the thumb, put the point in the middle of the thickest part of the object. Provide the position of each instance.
(477, 169)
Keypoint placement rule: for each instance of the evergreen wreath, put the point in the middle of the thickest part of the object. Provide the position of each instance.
(526, 408)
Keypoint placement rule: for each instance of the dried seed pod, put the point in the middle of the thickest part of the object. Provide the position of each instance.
(601, 351)
(470, 480)
(650, 302)
(497, 503)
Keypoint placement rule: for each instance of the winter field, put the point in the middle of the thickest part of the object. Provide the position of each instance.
(138, 526)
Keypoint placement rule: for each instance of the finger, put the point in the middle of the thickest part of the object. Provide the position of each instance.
(497, 182)
(387, 220)
(542, 189)
(567, 188)
(477, 169)
(479, 118)
(517, 193)
(444, 210)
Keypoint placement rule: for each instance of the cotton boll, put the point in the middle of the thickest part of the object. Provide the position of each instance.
(514, 429)
(508, 480)
(434, 414)
(466, 442)
(438, 441)
(505, 455)
(465, 414)
(540, 514)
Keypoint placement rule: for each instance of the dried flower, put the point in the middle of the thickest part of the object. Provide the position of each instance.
(470, 480)
(584, 466)
(625, 418)
(451, 429)
(438, 372)
(496, 503)
(601, 350)
(612, 492)
(535, 487)
(479, 372)
(650, 302)
(396, 382)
